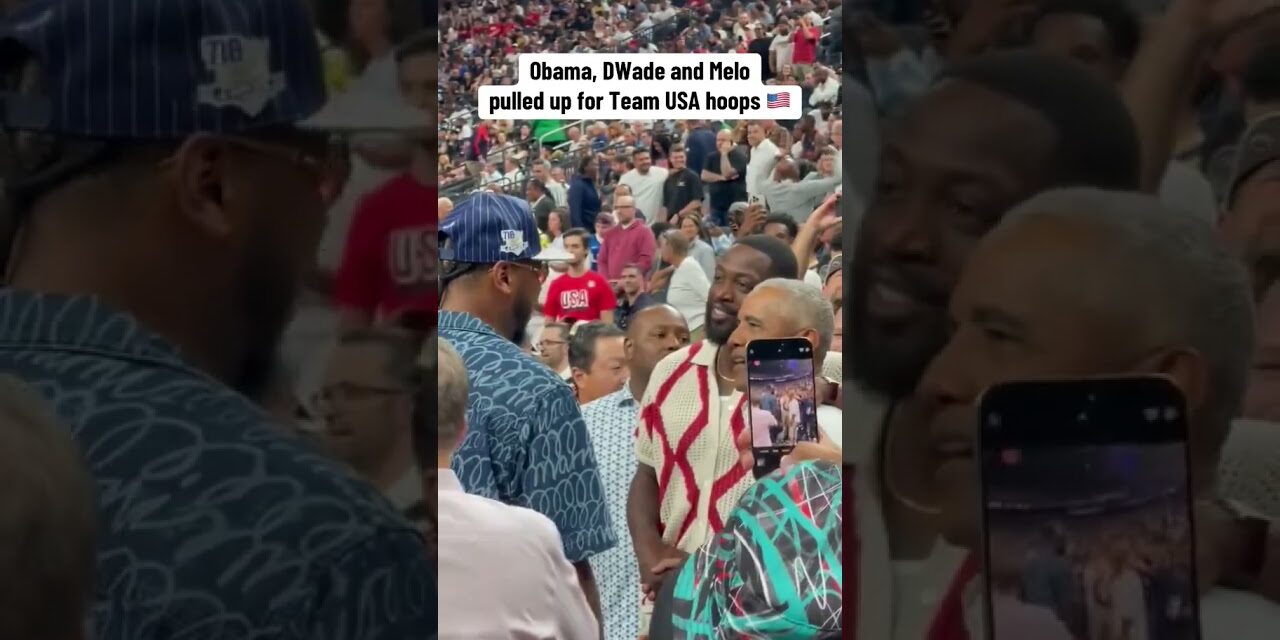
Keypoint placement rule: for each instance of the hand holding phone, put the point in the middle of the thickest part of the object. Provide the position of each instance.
(782, 399)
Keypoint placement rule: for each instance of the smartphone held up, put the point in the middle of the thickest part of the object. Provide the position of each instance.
(783, 397)
(1086, 506)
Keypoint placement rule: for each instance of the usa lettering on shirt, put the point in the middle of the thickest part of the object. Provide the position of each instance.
(576, 299)
(412, 257)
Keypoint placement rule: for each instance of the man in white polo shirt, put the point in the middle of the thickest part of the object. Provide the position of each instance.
(764, 155)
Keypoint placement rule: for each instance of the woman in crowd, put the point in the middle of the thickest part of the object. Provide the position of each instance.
(690, 225)
(552, 228)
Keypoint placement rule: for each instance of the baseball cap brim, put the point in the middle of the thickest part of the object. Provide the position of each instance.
(362, 112)
(553, 253)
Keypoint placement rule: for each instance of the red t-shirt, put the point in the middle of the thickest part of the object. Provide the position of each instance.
(389, 264)
(805, 46)
(582, 298)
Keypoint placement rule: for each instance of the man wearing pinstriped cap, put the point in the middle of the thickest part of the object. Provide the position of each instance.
(526, 442)
(167, 199)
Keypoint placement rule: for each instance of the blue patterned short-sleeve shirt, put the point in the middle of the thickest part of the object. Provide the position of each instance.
(526, 443)
(212, 522)
(611, 421)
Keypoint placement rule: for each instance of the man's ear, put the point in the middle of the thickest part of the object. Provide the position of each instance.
(501, 278)
(812, 336)
(1188, 371)
(199, 170)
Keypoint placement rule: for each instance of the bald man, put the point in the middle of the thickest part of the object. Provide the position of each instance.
(785, 194)
(654, 333)
(445, 207)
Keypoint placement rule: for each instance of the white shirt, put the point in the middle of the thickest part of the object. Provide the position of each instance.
(647, 190)
(1128, 604)
(826, 92)
(506, 572)
(782, 47)
(688, 292)
(558, 192)
(763, 158)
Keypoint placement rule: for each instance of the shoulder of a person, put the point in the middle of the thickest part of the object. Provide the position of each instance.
(217, 421)
(499, 515)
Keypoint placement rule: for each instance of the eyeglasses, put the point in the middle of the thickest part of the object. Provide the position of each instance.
(538, 268)
(347, 392)
(550, 343)
(324, 168)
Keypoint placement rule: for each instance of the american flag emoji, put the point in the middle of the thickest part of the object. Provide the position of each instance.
(778, 100)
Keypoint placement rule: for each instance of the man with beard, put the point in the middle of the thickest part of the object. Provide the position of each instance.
(158, 263)
(688, 479)
(526, 443)
(1078, 283)
(991, 134)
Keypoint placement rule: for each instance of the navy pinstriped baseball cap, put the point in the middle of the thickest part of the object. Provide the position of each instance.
(489, 228)
(164, 69)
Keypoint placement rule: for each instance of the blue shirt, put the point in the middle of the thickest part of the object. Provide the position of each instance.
(526, 444)
(611, 421)
(701, 142)
(213, 523)
(584, 203)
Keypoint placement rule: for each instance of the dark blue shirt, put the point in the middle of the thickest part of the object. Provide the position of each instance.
(213, 523)
(584, 203)
(701, 142)
(526, 443)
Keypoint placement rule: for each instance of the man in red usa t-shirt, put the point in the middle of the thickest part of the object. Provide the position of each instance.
(389, 264)
(579, 295)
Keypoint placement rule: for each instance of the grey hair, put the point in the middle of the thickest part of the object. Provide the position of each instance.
(1205, 290)
(676, 241)
(808, 307)
(452, 388)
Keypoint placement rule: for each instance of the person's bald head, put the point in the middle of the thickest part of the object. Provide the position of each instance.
(786, 170)
(444, 206)
(653, 333)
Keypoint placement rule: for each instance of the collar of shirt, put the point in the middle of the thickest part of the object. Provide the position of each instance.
(81, 323)
(460, 321)
(620, 398)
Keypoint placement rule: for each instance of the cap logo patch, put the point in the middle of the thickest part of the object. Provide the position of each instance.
(513, 242)
(242, 76)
